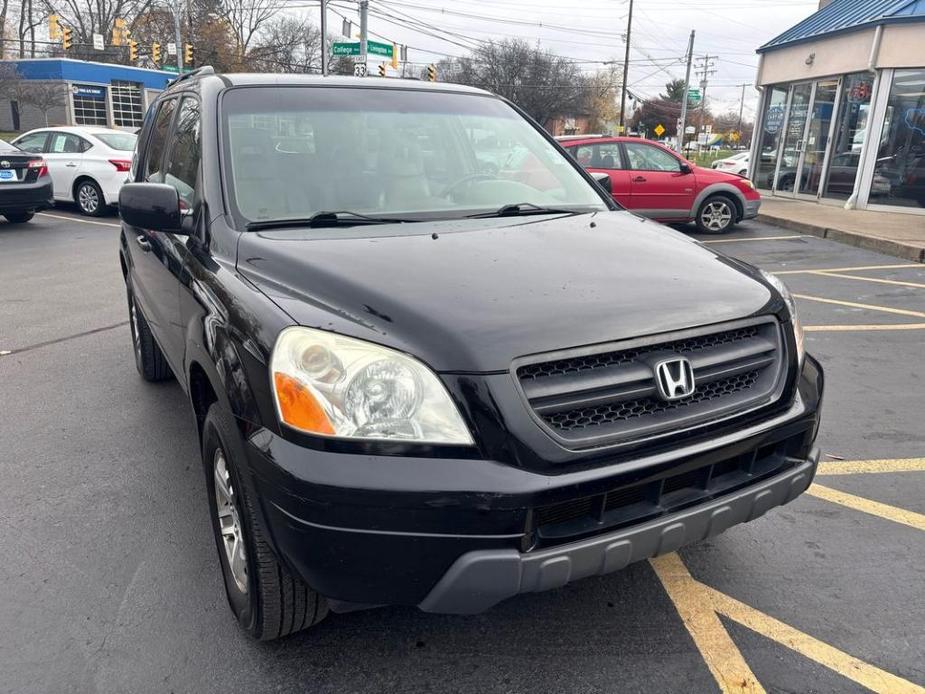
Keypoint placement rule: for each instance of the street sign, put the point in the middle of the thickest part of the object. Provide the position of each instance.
(659, 129)
(173, 68)
(376, 48)
(346, 48)
(171, 49)
(708, 128)
(359, 70)
(98, 42)
(694, 96)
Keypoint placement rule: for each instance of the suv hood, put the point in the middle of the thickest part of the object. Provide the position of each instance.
(473, 295)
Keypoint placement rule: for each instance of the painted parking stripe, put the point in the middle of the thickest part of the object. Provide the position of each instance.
(756, 238)
(864, 467)
(77, 219)
(869, 307)
(719, 651)
(878, 280)
(717, 648)
(856, 268)
(862, 328)
(874, 508)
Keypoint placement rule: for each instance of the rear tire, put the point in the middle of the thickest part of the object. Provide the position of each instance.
(18, 217)
(717, 215)
(89, 198)
(149, 359)
(266, 598)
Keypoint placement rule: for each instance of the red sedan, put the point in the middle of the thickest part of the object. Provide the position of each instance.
(653, 181)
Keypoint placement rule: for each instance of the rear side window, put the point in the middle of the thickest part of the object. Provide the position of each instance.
(157, 143)
(34, 142)
(605, 155)
(649, 158)
(182, 169)
(67, 143)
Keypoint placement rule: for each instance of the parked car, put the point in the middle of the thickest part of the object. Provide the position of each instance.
(653, 181)
(25, 186)
(418, 382)
(737, 163)
(88, 165)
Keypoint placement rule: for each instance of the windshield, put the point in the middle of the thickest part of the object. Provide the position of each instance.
(292, 152)
(124, 142)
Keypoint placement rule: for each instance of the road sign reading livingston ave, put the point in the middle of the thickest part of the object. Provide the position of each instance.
(353, 48)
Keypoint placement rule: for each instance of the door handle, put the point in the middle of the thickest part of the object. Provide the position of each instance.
(71, 164)
(639, 179)
(143, 243)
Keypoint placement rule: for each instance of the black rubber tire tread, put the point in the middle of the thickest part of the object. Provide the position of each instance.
(284, 603)
(101, 208)
(153, 366)
(732, 206)
(18, 217)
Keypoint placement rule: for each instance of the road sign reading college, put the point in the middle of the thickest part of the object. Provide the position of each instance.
(659, 130)
(353, 48)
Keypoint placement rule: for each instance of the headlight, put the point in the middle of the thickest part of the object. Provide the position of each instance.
(341, 387)
(792, 307)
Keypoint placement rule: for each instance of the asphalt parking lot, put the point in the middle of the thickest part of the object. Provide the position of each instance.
(110, 583)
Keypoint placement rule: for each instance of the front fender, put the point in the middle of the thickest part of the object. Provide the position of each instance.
(713, 189)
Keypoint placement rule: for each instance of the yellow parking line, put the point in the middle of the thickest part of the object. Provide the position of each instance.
(756, 238)
(845, 665)
(869, 307)
(77, 219)
(860, 467)
(719, 651)
(879, 280)
(874, 508)
(861, 328)
(857, 268)
(699, 606)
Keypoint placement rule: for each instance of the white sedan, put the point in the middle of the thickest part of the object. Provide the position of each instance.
(88, 165)
(737, 164)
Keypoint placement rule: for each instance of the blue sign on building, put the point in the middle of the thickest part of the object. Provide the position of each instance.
(88, 91)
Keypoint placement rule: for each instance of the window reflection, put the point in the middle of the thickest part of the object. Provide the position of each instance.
(900, 165)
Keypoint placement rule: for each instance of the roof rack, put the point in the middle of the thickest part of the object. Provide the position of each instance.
(204, 70)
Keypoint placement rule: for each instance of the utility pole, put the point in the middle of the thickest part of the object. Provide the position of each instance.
(364, 35)
(626, 69)
(741, 107)
(176, 27)
(704, 70)
(324, 37)
(682, 121)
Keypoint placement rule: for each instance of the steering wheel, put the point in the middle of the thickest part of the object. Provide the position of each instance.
(467, 179)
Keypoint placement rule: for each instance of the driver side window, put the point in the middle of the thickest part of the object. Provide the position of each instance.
(648, 158)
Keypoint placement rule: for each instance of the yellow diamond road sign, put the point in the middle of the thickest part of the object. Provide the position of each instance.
(659, 129)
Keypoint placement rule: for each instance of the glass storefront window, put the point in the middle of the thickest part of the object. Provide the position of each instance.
(772, 123)
(850, 133)
(899, 172)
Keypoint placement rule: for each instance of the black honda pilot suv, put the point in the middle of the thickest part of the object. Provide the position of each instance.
(431, 362)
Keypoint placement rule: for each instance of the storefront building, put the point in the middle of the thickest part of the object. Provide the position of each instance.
(842, 112)
(89, 93)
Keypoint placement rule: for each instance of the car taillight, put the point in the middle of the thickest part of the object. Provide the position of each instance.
(40, 165)
(121, 164)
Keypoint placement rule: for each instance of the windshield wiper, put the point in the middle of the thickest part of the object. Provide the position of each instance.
(519, 209)
(325, 219)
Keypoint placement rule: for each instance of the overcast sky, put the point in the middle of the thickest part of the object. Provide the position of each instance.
(593, 30)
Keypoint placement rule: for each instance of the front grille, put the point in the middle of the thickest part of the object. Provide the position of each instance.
(610, 394)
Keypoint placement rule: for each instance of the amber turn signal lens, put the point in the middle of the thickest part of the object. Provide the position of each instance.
(298, 407)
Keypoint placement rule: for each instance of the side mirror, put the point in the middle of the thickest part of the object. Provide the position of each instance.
(603, 180)
(686, 168)
(154, 206)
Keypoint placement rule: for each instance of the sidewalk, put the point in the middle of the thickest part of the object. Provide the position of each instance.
(900, 235)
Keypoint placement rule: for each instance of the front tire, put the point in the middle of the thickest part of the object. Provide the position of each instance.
(717, 215)
(149, 359)
(18, 217)
(266, 598)
(89, 198)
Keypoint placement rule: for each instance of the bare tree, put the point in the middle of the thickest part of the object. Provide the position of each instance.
(88, 17)
(44, 96)
(286, 44)
(246, 17)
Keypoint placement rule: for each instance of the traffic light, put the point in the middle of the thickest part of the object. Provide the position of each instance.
(188, 55)
(119, 34)
(67, 38)
(394, 56)
(133, 51)
(431, 73)
(156, 52)
(54, 29)
(382, 69)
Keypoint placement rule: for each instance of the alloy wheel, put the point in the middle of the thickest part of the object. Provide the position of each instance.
(716, 216)
(87, 198)
(229, 523)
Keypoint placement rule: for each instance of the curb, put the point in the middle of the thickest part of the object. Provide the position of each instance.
(850, 238)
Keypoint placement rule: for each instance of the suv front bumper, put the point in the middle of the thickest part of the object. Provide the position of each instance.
(459, 535)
